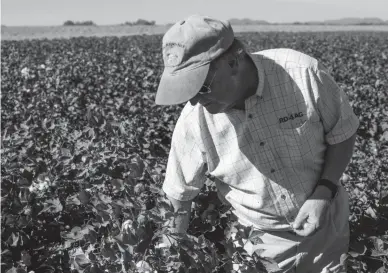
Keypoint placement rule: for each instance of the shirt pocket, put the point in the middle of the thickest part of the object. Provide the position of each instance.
(294, 144)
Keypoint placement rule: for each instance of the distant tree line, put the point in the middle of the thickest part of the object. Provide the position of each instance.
(140, 22)
(83, 23)
(246, 21)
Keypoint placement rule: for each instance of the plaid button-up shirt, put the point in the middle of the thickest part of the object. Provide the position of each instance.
(267, 159)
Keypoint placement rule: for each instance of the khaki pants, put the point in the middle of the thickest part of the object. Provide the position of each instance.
(318, 253)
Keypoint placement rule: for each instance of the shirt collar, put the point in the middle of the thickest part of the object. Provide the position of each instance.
(260, 70)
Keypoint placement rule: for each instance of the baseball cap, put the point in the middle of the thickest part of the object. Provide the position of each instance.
(188, 48)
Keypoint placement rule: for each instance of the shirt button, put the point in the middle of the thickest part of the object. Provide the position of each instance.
(272, 170)
(250, 116)
(262, 143)
(283, 196)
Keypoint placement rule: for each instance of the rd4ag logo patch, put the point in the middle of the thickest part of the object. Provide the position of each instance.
(291, 117)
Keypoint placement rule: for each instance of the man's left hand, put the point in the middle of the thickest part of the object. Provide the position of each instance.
(312, 214)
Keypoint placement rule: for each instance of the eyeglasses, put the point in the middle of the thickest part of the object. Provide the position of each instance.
(206, 89)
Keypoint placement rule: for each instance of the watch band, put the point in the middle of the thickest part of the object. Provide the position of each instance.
(329, 184)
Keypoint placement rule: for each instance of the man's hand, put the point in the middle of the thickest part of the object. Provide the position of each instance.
(313, 213)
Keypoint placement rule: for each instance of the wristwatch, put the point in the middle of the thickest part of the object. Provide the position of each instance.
(329, 184)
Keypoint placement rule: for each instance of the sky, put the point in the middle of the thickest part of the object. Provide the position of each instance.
(110, 12)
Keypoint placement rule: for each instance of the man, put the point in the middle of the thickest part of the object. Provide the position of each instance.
(274, 132)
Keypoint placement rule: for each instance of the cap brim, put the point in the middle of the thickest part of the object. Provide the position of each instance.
(180, 87)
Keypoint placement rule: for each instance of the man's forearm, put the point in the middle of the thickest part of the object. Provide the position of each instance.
(337, 157)
(181, 223)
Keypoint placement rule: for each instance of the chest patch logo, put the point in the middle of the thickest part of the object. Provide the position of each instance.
(291, 117)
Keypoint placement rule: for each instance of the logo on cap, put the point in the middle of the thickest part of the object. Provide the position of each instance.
(173, 54)
(172, 59)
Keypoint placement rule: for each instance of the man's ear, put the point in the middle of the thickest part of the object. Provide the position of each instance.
(234, 65)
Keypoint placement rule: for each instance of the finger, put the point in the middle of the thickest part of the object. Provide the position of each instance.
(308, 229)
(299, 232)
(299, 220)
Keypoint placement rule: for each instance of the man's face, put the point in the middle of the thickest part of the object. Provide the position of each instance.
(225, 92)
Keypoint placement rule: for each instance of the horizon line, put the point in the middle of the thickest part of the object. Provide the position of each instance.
(171, 23)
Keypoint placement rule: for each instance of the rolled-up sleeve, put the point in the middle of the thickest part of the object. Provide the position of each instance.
(186, 166)
(337, 116)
